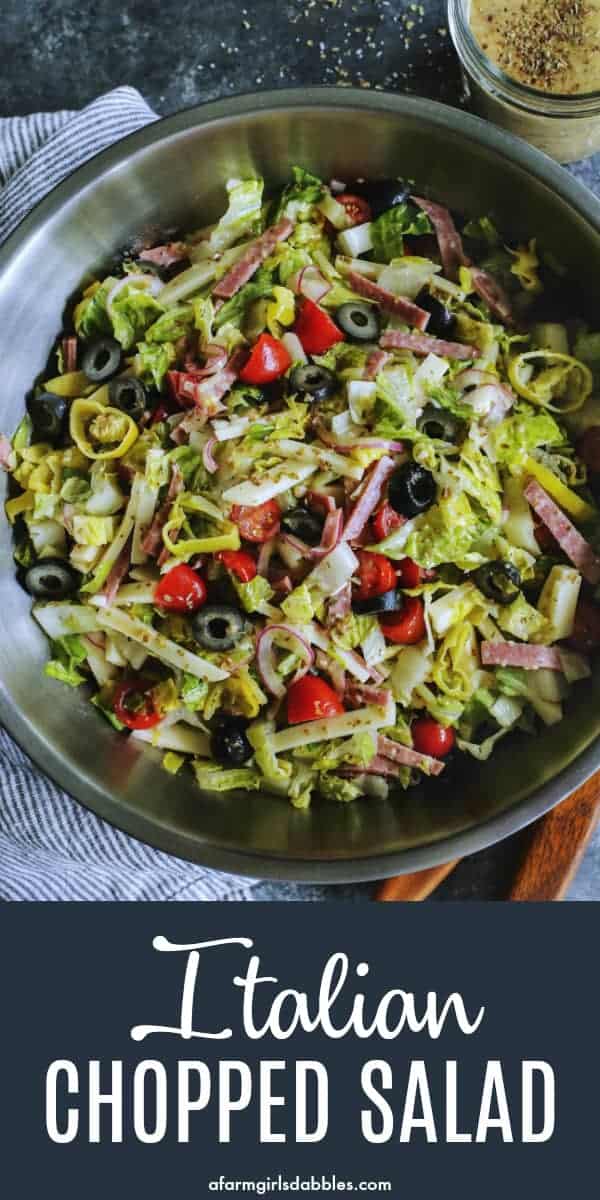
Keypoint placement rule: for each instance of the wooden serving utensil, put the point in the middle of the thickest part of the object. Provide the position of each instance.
(417, 885)
(553, 853)
(556, 846)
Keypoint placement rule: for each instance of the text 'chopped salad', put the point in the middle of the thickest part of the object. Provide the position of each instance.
(301, 498)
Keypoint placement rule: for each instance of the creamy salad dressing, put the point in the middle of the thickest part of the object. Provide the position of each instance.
(553, 45)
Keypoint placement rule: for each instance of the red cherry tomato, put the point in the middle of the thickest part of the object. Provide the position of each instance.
(586, 629)
(357, 209)
(268, 360)
(431, 738)
(180, 590)
(316, 330)
(133, 704)
(407, 626)
(588, 447)
(240, 563)
(386, 518)
(257, 523)
(376, 575)
(310, 698)
(409, 573)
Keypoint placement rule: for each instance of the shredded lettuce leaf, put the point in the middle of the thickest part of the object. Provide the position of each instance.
(389, 230)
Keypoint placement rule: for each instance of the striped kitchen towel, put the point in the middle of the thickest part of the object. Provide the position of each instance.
(50, 847)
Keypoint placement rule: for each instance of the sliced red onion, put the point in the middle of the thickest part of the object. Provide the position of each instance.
(332, 530)
(207, 456)
(474, 378)
(294, 347)
(310, 283)
(265, 658)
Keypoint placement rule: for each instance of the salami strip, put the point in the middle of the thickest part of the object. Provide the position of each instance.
(153, 538)
(368, 500)
(69, 353)
(377, 766)
(494, 295)
(359, 694)
(453, 256)
(407, 757)
(448, 237)
(568, 537)
(375, 363)
(519, 654)
(252, 258)
(399, 305)
(396, 340)
(165, 256)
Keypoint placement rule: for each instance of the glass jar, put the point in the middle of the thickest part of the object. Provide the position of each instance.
(565, 126)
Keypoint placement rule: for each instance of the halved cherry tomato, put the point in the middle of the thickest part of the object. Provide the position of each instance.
(431, 738)
(316, 330)
(239, 562)
(588, 447)
(357, 209)
(133, 704)
(407, 626)
(180, 590)
(268, 360)
(409, 573)
(257, 523)
(376, 575)
(386, 518)
(586, 629)
(310, 699)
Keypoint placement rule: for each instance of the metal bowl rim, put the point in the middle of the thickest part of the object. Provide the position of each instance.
(44, 755)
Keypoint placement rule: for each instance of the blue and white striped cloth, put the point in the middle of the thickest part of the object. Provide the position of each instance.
(50, 847)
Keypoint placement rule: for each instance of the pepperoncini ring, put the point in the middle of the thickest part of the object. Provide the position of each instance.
(107, 421)
(572, 376)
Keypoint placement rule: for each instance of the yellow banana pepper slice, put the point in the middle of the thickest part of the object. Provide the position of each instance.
(71, 384)
(562, 385)
(93, 425)
(18, 505)
(228, 538)
(567, 499)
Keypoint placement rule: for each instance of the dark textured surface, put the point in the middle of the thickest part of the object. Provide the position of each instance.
(59, 54)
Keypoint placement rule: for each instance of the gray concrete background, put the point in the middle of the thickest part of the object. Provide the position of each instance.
(60, 54)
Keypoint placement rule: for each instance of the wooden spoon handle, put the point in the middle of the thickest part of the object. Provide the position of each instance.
(416, 886)
(557, 844)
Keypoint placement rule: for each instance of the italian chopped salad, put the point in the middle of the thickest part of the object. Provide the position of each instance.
(306, 497)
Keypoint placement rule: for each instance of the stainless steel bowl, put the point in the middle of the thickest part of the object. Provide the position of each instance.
(173, 173)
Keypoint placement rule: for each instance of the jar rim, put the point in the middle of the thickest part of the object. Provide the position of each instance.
(477, 63)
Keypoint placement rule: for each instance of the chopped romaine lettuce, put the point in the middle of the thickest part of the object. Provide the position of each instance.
(389, 230)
